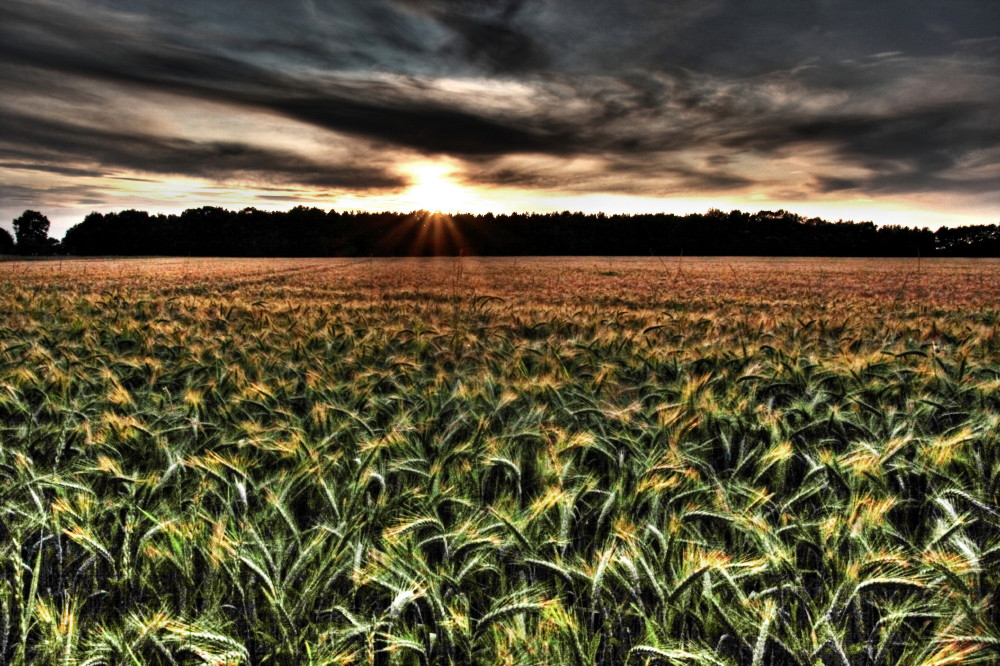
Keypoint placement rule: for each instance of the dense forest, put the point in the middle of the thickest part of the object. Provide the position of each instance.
(301, 231)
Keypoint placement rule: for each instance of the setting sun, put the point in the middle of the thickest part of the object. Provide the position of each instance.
(433, 189)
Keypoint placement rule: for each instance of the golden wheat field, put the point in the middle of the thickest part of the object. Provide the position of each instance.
(732, 461)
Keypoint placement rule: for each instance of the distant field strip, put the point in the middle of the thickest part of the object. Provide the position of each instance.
(673, 460)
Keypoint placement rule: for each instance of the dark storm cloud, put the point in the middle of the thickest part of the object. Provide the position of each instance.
(902, 91)
(393, 112)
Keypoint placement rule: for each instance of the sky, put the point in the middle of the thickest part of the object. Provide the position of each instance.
(844, 109)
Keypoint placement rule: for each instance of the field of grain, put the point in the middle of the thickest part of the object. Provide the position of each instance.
(532, 461)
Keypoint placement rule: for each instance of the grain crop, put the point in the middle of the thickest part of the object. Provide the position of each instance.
(500, 461)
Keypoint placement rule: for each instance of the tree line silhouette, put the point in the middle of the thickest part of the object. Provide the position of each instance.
(302, 231)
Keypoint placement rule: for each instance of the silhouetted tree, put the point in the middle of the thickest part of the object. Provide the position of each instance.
(969, 241)
(32, 233)
(6, 242)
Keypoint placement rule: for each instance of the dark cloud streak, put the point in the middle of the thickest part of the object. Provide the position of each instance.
(906, 152)
(56, 141)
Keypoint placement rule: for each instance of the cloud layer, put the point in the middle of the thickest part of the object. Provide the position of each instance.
(813, 99)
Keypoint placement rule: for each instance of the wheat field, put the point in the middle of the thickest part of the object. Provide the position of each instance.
(500, 461)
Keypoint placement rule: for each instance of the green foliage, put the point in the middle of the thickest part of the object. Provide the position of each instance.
(335, 462)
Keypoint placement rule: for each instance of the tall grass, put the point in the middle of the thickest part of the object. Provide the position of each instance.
(425, 462)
